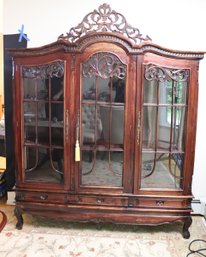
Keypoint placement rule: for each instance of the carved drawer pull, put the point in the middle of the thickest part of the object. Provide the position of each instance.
(160, 203)
(100, 200)
(43, 197)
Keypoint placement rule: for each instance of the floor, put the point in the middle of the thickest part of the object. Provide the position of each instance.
(42, 237)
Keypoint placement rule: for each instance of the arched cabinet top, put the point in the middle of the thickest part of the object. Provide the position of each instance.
(105, 25)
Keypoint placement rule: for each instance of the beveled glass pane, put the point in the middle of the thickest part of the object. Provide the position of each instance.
(162, 170)
(43, 165)
(164, 135)
(179, 121)
(181, 90)
(150, 91)
(165, 92)
(89, 124)
(30, 134)
(89, 89)
(112, 118)
(118, 90)
(163, 128)
(56, 112)
(149, 127)
(30, 112)
(43, 110)
(104, 93)
(172, 92)
(43, 135)
(102, 168)
(57, 136)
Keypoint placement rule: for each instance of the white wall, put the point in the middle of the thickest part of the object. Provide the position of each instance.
(177, 24)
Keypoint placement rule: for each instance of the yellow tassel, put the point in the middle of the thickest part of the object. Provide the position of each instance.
(77, 152)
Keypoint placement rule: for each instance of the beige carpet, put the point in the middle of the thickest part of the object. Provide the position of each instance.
(42, 237)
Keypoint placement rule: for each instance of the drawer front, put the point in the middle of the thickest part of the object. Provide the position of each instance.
(41, 197)
(103, 200)
(162, 203)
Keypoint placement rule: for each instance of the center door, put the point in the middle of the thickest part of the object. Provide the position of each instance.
(103, 122)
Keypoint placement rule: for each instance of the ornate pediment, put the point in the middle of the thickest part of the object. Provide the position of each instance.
(104, 20)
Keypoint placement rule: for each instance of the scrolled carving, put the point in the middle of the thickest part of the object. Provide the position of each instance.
(55, 69)
(161, 74)
(104, 65)
(104, 20)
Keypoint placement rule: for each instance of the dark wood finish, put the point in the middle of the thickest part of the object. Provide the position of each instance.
(128, 203)
(18, 214)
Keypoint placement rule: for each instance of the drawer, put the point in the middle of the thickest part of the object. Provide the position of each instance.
(103, 200)
(161, 203)
(40, 197)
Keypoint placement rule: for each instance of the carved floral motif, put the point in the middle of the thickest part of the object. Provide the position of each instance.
(55, 69)
(153, 72)
(104, 20)
(104, 65)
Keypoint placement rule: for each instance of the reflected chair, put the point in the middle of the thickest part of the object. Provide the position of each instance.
(112, 131)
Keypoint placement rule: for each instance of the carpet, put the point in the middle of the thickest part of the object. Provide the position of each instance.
(41, 237)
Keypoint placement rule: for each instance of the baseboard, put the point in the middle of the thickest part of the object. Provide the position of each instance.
(199, 207)
(10, 198)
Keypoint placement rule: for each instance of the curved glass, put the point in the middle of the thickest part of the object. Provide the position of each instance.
(163, 127)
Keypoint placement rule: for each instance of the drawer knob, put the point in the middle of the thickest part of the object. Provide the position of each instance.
(43, 197)
(100, 200)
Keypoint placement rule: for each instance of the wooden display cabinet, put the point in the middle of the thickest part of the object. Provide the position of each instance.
(104, 126)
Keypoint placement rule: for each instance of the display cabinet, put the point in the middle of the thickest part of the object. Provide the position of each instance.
(104, 126)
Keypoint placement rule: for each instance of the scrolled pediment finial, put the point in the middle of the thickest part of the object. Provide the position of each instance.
(104, 20)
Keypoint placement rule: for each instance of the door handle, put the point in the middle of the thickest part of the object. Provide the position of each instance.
(77, 148)
(138, 127)
(67, 126)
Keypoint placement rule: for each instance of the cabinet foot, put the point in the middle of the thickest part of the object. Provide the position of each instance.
(18, 214)
(187, 224)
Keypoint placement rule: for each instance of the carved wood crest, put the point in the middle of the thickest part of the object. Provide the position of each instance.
(104, 20)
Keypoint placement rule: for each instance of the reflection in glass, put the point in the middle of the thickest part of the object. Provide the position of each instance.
(150, 91)
(102, 168)
(162, 170)
(112, 118)
(102, 120)
(149, 127)
(43, 122)
(163, 122)
(43, 165)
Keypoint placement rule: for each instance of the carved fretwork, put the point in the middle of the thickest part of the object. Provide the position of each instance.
(55, 69)
(104, 20)
(104, 65)
(153, 72)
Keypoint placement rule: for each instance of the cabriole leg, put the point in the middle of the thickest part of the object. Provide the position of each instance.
(187, 224)
(18, 214)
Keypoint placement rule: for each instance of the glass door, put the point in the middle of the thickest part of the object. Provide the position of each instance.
(102, 121)
(43, 112)
(163, 127)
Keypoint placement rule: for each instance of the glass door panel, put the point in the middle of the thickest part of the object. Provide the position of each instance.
(43, 109)
(102, 120)
(163, 123)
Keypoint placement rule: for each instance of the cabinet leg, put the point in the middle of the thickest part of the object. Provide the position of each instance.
(187, 224)
(18, 214)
